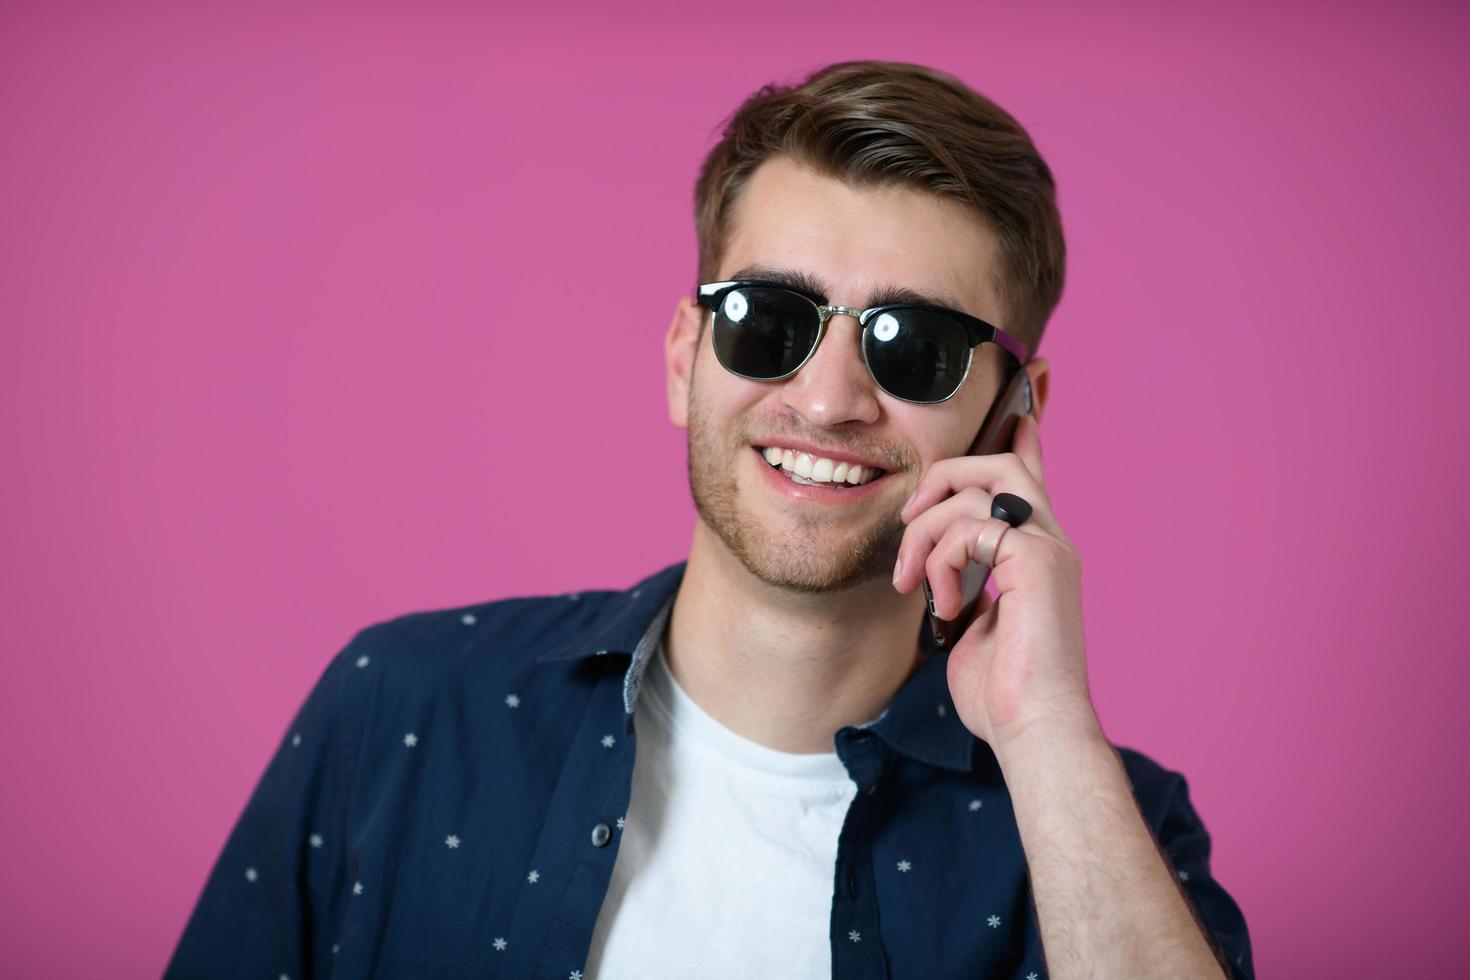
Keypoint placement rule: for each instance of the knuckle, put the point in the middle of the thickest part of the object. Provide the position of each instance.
(1061, 553)
(934, 471)
(1046, 547)
(974, 495)
(1017, 471)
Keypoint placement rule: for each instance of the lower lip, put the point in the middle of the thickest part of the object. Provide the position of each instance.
(816, 495)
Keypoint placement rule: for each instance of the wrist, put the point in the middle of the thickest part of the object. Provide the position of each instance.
(1057, 732)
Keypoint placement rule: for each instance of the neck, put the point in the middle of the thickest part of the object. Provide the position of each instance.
(781, 668)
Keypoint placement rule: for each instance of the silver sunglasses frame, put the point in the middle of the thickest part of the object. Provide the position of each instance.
(707, 294)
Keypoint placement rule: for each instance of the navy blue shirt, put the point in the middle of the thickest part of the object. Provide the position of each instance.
(448, 802)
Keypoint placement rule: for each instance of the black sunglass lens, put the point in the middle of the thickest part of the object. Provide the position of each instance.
(917, 354)
(763, 332)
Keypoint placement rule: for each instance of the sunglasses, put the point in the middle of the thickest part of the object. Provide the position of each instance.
(766, 331)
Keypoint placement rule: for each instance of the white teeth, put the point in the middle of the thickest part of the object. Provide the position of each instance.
(815, 469)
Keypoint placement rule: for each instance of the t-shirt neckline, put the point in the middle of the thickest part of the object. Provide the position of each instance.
(688, 720)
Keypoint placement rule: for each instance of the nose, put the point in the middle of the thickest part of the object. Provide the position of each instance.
(834, 386)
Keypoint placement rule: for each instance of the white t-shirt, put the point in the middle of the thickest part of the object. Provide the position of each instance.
(728, 851)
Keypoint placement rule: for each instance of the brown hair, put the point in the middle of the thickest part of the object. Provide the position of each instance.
(876, 123)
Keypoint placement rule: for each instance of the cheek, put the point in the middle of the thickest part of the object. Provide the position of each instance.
(973, 402)
(983, 384)
(927, 434)
(727, 401)
(720, 410)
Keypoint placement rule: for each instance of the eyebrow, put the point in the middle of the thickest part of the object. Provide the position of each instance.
(882, 296)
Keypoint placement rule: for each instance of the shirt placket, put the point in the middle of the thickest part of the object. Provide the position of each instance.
(857, 949)
(567, 878)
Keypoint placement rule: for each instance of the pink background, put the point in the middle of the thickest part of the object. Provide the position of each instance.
(312, 317)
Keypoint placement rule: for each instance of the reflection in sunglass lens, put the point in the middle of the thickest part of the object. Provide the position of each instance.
(917, 354)
(765, 333)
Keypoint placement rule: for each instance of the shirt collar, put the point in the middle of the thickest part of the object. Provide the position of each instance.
(920, 720)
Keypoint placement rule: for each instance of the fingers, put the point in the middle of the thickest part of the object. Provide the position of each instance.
(958, 548)
(970, 505)
(945, 525)
(952, 501)
(996, 473)
(954, 550)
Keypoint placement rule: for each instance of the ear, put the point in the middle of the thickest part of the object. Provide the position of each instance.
(680, 346)
(1040, 371)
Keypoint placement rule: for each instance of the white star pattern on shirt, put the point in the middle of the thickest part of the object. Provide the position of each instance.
(512, 701)
(607, 741)
(295, 740)
(943, 711)
(251, 874)
(499, 944)
(451, 842)
(1184, 876)
(1031, 976)
(993, 922)
(575, 975)
(362, 661)
(620, 823)
(284, 977)
(357, 888)
(635, 592)
(315, 840)
(855, 936)
(575, 596)
(335, 947)
(410, 740)
(904, 866)
(468, 619)
(974, 805)
(534, 876)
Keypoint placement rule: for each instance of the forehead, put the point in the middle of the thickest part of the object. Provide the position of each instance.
(863, 243)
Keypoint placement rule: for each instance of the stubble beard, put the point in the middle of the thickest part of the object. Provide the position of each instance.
(809, 552)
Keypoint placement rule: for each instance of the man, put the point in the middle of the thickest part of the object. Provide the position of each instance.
(761, 762)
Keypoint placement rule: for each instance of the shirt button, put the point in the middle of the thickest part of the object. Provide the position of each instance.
(601, 834)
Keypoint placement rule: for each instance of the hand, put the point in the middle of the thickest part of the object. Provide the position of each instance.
(1020, 664)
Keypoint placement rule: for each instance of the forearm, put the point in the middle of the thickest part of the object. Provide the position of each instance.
(1106, 899)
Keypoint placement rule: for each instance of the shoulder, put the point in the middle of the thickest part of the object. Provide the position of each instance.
(1159, 790)
(1146, 774)
(1163, 799)
(449, 652)
(429, 647)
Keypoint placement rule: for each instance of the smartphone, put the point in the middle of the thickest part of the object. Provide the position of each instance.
(995, 437)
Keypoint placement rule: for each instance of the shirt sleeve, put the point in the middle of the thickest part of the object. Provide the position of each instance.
(274, 900)
(1186, 844)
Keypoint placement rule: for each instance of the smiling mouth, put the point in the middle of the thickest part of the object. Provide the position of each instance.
(817, 471)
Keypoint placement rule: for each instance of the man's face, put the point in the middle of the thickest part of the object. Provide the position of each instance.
(854, 243)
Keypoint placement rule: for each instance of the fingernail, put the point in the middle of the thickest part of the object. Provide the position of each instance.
(909, 501)
(898, 569)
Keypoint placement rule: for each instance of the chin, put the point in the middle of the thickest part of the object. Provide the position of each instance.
(812, 577)
(801, 557)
